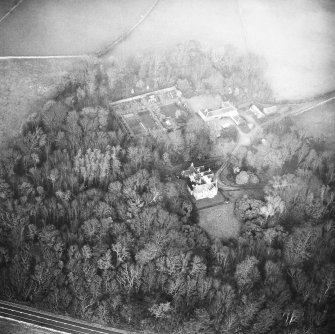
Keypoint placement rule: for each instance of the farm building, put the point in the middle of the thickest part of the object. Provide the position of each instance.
(256, 111)
(200, 183)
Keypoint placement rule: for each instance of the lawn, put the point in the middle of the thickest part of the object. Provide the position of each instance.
(220, 222)
(147, 120)
(169, 110)
(134, 124)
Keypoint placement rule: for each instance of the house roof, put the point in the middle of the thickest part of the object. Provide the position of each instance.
(203, 187)
(227, 107)
(256, 111)
(269, 110)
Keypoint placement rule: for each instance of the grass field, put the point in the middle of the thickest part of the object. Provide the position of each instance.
(220, 222)
(147, 120)
(272, 30)
(25, 85)
(5, 6)
(319, 122)
(13, 327)
(296, 37)
(49, 27)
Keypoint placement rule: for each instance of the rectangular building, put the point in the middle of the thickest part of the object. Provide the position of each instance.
(226, 110)
(256, 111)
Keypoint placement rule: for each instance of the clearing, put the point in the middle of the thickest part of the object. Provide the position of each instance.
(220, 221)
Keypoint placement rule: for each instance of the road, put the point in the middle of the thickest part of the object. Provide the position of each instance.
(54, 322)
(293, 112)
(252, 134)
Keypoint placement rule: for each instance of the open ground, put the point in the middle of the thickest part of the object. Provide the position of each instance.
(295, 37)
(220, 221)
(67, 27)
(25, 85)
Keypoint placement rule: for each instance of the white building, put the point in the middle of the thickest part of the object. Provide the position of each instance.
(226, 110)
(200, 183)
(256, 111)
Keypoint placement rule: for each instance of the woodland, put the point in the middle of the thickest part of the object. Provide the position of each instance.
(95, 225)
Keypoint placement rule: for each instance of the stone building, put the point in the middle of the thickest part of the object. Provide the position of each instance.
(201, 183)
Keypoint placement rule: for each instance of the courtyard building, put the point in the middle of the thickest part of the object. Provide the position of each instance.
(161, 110)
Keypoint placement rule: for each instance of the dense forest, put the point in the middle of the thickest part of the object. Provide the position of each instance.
(194, 71)
(94, 224)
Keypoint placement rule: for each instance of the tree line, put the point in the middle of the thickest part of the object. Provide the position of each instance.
(93, 224)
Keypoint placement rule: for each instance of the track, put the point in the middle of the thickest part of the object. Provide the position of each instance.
(211, 206)
(108, 48)
(11, 11)
(57, 323)
(254, 132)
(103, 52)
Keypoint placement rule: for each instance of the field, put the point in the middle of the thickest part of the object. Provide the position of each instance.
(25, 85)
(298, 48)
(13, 327)
(5, 6)
(220, 222)
(204, 102)
(319, 122)
(272, 30)
(147, 120)
(169, 110)
(80, 26)
(67, 27)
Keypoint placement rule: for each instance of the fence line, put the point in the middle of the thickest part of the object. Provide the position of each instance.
(105, 50)
(100, 53)
(11, 10)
